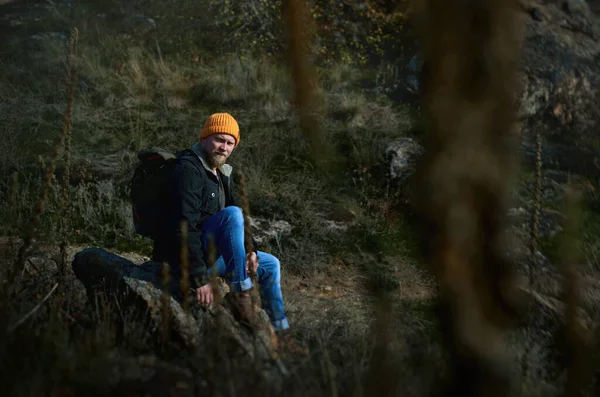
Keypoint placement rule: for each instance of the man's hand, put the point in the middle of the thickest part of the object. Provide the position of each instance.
(251, 263)
(205, 295)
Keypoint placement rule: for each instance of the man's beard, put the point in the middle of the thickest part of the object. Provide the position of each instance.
(216, 160)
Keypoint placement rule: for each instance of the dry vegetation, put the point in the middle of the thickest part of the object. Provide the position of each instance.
(359, 298)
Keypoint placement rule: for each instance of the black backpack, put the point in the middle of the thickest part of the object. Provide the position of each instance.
(149, 189)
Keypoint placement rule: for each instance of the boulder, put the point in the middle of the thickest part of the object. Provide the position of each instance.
(402, 155)
(338, 219)
(267, 231)
(134, 291)
(559, 60)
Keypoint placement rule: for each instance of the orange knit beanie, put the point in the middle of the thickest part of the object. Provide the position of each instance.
(221, 123)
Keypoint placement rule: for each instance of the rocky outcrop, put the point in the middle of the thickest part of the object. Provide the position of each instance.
(559, 60)
(402, 155)
(560, 80)
(267, 232)
(540, 342)
(559, 76)
(134, 291)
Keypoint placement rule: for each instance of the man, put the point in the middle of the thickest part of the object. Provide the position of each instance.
(201, 195)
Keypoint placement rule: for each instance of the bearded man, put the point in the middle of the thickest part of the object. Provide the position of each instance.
(200, 193)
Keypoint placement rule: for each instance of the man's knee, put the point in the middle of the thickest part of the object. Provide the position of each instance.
(234, 215)
(276, 267)
(271, 264)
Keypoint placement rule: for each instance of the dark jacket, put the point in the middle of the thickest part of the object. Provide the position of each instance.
(193, 197)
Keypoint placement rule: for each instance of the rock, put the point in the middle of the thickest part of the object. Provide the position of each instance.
(266, 231)
(336, 218)
(136, 291)
(541, 334)
(574, 7)
(546, 275)
(38, 266)
(560, 79)
(559, 76)
(546, 311)
(402, 155)
(335, 226)
(550, 221)
(547, 278)
(558, 182)
(534, 96)
(536, 14)
(583, 161)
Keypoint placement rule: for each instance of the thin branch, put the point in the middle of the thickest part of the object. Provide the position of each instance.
(36, 308)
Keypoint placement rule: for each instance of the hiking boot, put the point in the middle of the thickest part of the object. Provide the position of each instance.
(286, 343)
(243, 308)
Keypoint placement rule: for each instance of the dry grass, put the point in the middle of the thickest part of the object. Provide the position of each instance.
(365, 308)
(137, 97)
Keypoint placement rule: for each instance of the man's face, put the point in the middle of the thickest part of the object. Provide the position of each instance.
(218, 147)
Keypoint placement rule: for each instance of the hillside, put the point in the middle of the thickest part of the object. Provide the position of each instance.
(358, 293)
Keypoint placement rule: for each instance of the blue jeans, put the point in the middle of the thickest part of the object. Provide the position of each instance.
(226, 228)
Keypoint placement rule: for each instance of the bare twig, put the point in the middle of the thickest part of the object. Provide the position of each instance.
(11, 202)
(263, 23)
(39, 206)
(212, 258)
(533, 236)
(11, 217)
(73, 320)
(248, 244)
(535, 218)
(32, 311)
(71, 77)
(185, 268)
(34, 267)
